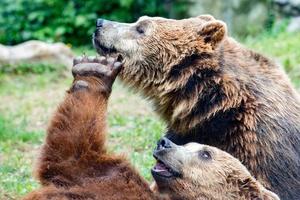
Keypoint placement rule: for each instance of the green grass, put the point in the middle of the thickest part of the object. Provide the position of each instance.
(27, 102)
(28, 98)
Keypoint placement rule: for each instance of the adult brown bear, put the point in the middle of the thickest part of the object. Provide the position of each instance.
(210, 89)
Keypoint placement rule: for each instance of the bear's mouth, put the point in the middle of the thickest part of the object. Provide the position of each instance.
(163, 170)
(107, 51)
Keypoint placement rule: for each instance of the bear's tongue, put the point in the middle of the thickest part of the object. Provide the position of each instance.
(161, 169)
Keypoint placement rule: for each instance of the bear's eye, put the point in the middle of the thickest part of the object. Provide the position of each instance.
(204, 155)
(140, 29)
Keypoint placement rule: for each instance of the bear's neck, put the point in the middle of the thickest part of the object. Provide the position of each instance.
(197, 90)
(235, 187)
(246, 188)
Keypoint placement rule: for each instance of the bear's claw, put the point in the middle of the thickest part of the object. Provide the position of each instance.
(96, 66)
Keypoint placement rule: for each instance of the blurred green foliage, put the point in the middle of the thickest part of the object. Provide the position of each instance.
(24, 68)
(10, 132)
(72, 21)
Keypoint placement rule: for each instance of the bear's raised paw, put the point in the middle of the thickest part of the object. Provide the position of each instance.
(105, 68)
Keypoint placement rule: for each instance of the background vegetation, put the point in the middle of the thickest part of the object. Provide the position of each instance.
(29, 94)
(73, 21)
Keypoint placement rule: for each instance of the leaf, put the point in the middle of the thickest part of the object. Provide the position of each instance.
(126, 3)
(60, 30)
(80, 20)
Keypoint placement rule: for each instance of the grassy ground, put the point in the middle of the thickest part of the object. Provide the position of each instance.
(27, 101)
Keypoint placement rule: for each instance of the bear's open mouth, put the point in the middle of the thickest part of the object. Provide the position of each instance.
(162, 169)
(107, 51)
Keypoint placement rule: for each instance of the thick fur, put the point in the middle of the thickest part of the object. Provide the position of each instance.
(212, 90)
(74, 163)
(205, 172)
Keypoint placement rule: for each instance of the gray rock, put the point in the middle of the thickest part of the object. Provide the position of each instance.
(36, 52)
(294, 25)
(241, 16)
(288, 7)
(286, 2)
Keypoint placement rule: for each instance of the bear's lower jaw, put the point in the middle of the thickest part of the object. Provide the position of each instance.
(162, 170)
(106, 51)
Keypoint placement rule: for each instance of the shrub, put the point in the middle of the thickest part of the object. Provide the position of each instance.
(72, 21)
(25, 68)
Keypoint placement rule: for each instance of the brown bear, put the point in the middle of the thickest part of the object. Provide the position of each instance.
(210, 89)
(74, 162)
(196, 171)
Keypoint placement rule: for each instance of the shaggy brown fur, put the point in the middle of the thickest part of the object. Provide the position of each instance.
(210, 89)
(196, 171)
(74, 163)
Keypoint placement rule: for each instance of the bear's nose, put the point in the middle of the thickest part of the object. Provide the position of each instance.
(99, 23)
(164, 143)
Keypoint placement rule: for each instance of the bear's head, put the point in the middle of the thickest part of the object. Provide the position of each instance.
(196, 171)
(152, 46)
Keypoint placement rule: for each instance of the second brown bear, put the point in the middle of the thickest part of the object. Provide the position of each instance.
(210, 89)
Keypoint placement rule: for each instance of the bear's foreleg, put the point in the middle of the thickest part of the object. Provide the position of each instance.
(76, 135)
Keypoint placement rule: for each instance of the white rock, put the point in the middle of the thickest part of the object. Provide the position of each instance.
(294, 25)
(36, 52)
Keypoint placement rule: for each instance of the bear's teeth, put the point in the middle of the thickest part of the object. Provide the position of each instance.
(160, 167)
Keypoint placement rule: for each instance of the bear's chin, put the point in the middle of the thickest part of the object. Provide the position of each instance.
(162, 173)
(160, 169)
(107, 51)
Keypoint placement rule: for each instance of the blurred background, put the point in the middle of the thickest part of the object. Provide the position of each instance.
(34, 75)
(72, 21)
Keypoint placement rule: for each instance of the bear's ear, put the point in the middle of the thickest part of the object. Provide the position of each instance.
(213, 32)
(206, 17)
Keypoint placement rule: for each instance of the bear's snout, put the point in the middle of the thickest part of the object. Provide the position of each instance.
(99, 23)
(164, 143)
